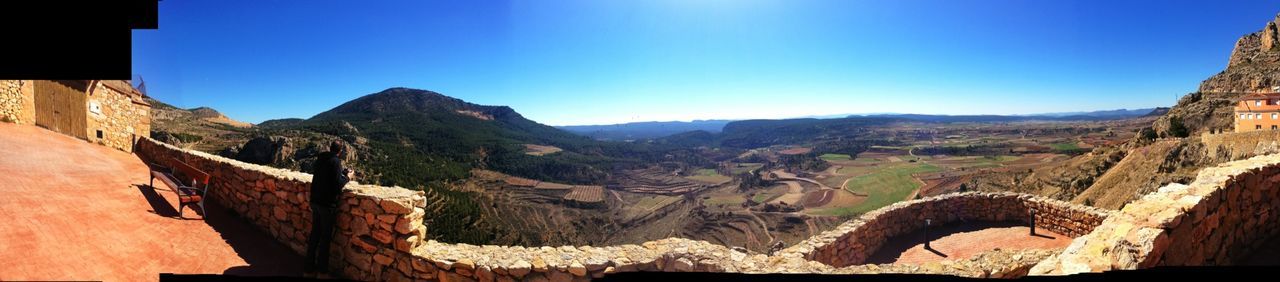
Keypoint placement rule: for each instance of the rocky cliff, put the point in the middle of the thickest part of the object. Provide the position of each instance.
(1254, 67)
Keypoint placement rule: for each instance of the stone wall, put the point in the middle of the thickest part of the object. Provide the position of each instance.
(853, 242)
(122, 118)
(1242, 145)
(17, 105)
(1227, 211)
(378, 227)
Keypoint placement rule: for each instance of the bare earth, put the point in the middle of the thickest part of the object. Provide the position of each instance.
(78, 211)
(962, 241)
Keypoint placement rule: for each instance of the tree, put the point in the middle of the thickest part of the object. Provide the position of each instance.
(1147, 134)
(1176, 128)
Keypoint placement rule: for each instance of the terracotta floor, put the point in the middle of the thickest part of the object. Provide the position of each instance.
(962, 241)
(70, 210)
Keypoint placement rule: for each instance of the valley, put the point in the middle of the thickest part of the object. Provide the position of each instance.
(757, 184)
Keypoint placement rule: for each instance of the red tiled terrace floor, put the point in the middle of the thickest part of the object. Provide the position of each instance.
(71, 210)
(959, 241)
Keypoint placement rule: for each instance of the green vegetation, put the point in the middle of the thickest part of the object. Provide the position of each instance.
(740, 168)
(764, 196)
(454, 217)
(708, 175)
(835, 157)
(1064, 146)
(1176, 128)
(883, 187)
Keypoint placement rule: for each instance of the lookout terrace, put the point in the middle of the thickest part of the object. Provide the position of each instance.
(72, 199)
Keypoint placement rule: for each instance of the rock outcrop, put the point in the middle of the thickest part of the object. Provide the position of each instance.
(265, 150)
(1254, 65)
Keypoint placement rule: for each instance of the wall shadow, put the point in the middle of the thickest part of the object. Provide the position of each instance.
(263, 255)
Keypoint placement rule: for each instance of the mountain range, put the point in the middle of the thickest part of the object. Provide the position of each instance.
(657, 129)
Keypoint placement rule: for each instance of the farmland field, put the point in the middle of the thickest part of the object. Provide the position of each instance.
(740, 168)
(883, 187)
(1065, 146)
(835, 157)
(709, 176)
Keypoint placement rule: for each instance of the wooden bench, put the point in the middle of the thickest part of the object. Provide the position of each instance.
(177, 176)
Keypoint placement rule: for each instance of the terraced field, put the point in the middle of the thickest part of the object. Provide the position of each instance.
(655, 181)
(589, 195)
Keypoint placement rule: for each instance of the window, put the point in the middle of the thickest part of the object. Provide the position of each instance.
(1257, 126)
(1275, 115)
(99, 134)
(1242, 116)
(1257, 102)
(1273, 127)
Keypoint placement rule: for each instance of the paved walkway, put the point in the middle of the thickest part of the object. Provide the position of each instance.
(71, 210)
(963, 241)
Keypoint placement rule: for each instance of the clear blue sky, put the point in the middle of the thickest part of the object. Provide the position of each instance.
(601, 62)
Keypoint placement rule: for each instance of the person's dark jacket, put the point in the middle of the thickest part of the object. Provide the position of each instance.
(327, 180)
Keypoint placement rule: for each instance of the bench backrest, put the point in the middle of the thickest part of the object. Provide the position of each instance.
(198, 177)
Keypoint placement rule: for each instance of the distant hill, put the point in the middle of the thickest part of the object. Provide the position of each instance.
(644, 130)
(1120, 113)
(658, 129)
(201, 128)
(1067, 116)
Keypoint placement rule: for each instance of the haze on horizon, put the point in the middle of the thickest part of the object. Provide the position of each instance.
(605, 62)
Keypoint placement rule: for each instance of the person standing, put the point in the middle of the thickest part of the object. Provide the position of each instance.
(328, 178)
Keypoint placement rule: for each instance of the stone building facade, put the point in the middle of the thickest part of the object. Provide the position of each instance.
(106, 112)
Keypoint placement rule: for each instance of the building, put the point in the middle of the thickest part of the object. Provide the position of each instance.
(1258, 111)
(107, 112)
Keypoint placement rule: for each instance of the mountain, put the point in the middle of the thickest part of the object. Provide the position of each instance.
(644, 130)
(411, 137)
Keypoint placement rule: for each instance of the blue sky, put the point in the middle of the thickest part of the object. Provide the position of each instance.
(603, 62)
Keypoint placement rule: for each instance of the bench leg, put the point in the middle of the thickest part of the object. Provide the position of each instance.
(180, 206)
(203, 214)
